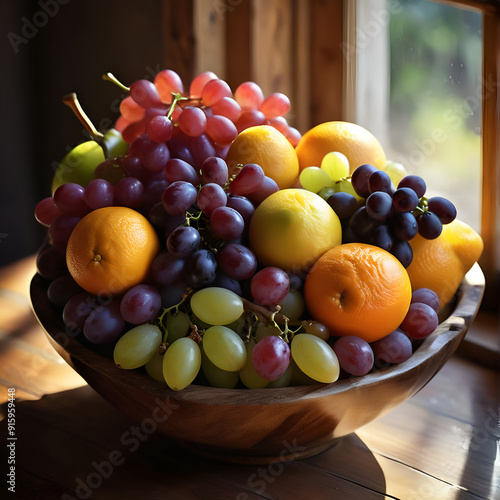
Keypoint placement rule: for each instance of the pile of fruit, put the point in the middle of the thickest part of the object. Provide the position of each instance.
(205, 240)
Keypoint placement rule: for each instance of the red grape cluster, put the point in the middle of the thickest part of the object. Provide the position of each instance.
(161, 108)
(389, 218)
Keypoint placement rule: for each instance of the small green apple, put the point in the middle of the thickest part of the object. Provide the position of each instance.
(79, 164)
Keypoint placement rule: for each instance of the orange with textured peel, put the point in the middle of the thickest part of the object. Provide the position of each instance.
(268, 148)
(358, 289)
(111, 250)
(355, 142)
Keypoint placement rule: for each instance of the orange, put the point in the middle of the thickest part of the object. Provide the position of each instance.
(355, 142)
(269, 148)
(358, 289)
(291, 228)
(111, 250)
(441, 264)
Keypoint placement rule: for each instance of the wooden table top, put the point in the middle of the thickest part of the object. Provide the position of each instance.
(71, 444)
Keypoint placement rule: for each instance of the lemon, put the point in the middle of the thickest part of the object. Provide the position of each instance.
(292, 228)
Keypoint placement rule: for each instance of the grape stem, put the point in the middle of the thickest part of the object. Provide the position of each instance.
(112, 78)
(71, 100)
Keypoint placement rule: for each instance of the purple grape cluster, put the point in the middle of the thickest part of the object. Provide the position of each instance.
(390, 217)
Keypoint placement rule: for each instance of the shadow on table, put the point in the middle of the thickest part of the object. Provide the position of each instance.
(75, 445)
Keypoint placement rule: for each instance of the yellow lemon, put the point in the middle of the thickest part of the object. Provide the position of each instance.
(441, 264)
(291, 228)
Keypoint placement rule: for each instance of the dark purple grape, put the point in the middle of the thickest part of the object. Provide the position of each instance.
(394, 348)
(227, 223)
(382, 237)
(343, 204)
(360, 178)
(153, 155)
(224, 281)
(167, 268)
(104, 324)
(51, 262)
(172, 293)
(144, 93)
(210, 197)
(77, 310)
(414, 182)
(380, 181)
(354, 354)
(60, 229)
(180, 170)
(237, 261)
(214, 169)
(183, 241)
(99, 193)
(362, 224)
(443, 208)
(179, 197)
(429, 225)
(242, 205)
(69, 197)
(129, 192)
(267, 188)
(62, 289)
(201, 148)
(158, 216)
(402, 251)
(379, 205)
(405, 199)
(140, 304)
(200, 268)
(426, 296)
(420, 321)
(404, 225)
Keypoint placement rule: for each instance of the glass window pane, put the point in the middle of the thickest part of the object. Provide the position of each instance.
(435, 99)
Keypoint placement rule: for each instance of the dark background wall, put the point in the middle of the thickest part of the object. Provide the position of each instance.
(49, 48)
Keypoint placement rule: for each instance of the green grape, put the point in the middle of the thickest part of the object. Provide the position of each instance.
(177, 325)
(285, 380)
(216, 306)
(137, 346)
(215, 376)
(336, 165)
(248, 375)
(181, 363)
(154, 367)
(345, 186)
(239, 325)
(396, 171)
(264, 330)
(314, 179)
(326, 192)
(225, 348)
(315, 358)
(293, 306)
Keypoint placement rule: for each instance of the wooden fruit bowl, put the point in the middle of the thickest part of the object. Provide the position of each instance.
(263, 425)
